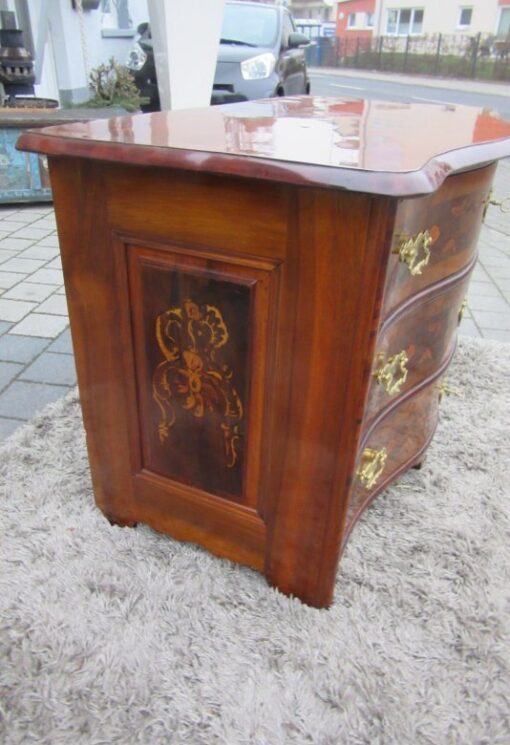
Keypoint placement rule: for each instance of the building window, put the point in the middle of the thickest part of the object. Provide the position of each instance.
(465, 15)
(369, 20)
(504, 23)
(404, 21)
(115, 18)
(351, 20)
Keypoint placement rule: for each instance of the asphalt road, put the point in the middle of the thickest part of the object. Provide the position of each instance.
(324, 84)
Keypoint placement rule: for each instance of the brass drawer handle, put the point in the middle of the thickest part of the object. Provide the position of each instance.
(503, 204)
(444, 389)
(415, 251)
(393, 374)
(372, 466)
(462, 310)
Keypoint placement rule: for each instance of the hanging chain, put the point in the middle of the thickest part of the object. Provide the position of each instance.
(84, 51)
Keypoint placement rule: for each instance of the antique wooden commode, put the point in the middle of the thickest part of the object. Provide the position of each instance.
(263, 300)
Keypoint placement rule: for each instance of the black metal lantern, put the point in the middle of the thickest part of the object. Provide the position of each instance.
(86, 4)
(16, 64)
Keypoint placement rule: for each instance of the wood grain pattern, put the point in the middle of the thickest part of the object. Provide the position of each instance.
(226, 336)
(320, 382)
(92, 297)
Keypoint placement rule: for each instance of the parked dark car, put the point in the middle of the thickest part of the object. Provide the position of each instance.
(261, 55)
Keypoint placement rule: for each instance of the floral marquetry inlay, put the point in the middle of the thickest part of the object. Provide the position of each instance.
(192, 376)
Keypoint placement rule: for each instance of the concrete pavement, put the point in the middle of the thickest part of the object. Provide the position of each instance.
(36, 359)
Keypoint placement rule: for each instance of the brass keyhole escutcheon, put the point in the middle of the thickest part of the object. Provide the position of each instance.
(415, 251)
(393, 373)
(372, 466)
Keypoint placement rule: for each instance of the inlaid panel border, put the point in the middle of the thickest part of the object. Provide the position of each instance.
(262, 276)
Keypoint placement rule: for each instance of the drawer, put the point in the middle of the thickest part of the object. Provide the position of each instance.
(395, 443)
(452, 216)
(414, 345)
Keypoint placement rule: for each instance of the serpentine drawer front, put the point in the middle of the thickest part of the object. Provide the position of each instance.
(435, 236)
(393, 443)
(415, 343)
(263, 301)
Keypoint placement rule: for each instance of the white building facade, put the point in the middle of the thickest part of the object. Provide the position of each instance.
(400, 18)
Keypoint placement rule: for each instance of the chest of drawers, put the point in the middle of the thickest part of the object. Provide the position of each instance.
(263, 300)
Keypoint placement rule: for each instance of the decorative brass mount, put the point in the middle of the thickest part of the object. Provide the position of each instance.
(414, 251)
(393, 374)
(372, 466)
(503, 204)
(445, 389)
(462, 310)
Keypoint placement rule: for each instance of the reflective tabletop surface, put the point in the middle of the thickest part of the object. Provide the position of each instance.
(379, 137)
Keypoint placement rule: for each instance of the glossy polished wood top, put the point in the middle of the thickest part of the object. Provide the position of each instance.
(397, 149)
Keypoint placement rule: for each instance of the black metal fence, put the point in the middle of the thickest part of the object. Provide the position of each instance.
(447, 55)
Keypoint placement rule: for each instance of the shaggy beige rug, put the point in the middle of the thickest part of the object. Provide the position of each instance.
(111, 635)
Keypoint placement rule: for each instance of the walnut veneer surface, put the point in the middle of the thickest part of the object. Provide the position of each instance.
(263, 301)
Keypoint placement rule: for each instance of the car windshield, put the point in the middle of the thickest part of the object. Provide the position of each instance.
(249, 25)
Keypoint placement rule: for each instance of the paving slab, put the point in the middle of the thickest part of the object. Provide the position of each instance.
(503, 285)
(14, 310)
(495, 261)
(469, 328)
(8, 426)
(40, 252)
(30, 291)
(5, 255)
(50, 240)
(51, 368)
(45, 222)
(478, 288)
(480, 274)
(32, 232)
(490, 320)
(488, 302)
(23, 266)
(55, 263)
(20, 348)
(9, 226)
(63, 344)
(56, 304)
(47, 277)
(40, 324)
(502, 272)
(15, 244)
(21, 217)
(23, 400)
(499, 335)
(8, 371)
(9, 279)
